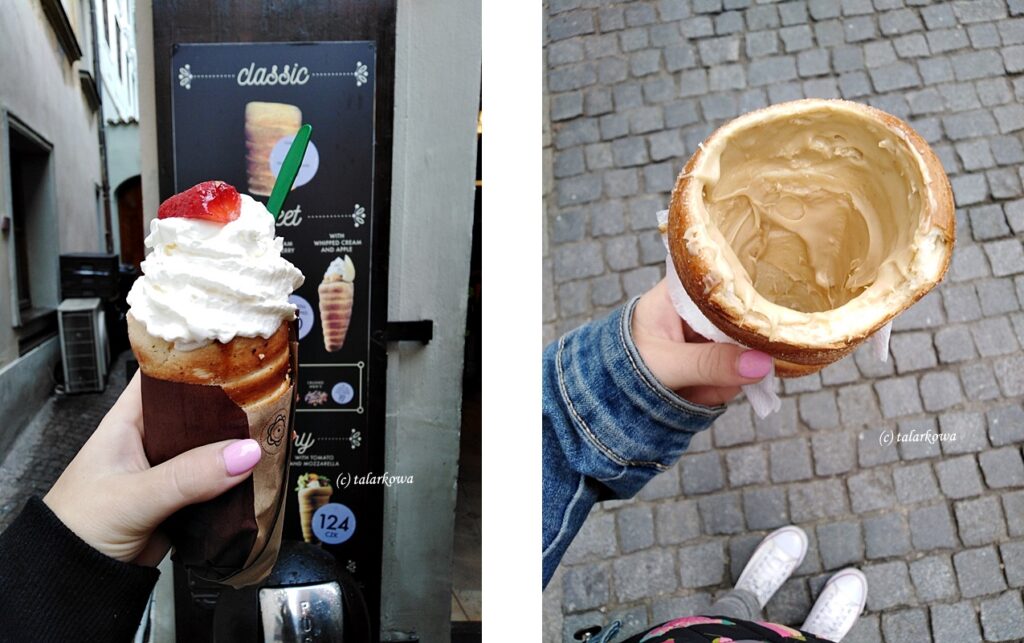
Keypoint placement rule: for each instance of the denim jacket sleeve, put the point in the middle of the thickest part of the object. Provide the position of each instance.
(609, 426)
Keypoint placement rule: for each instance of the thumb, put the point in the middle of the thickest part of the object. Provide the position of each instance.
(711, 364)
(197, 475)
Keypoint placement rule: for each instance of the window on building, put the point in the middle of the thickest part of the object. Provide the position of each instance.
(103, 22)
(34, 228)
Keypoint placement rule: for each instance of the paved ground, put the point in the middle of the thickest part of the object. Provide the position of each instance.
(51, 440)
(939, 530)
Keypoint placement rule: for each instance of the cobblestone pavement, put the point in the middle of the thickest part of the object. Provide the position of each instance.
(46, 446)
(631, 88)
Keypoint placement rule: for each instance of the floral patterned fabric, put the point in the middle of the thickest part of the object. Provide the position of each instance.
(717, 629)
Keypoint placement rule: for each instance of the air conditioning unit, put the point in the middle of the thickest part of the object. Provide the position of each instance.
(83, 344)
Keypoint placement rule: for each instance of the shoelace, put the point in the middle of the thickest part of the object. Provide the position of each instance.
(833, 624)
(767, 574)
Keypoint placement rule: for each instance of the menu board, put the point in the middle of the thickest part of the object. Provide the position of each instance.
(235, 109)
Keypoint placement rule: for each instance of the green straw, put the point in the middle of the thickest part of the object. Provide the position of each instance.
(289, 169)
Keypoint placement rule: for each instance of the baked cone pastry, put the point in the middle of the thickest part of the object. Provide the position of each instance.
(337, 292)
(803, 228)
(254, 372)
(265, 125)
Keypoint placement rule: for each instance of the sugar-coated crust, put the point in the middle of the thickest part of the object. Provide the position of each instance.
(251, 370)
(796, 359)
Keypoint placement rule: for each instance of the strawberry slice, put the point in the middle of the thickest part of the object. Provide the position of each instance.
(211, 200)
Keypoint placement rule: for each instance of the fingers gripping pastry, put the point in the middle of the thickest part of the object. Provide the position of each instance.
(336, 297)
(802, 228)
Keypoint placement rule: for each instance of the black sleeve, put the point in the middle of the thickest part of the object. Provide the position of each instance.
(55, 587)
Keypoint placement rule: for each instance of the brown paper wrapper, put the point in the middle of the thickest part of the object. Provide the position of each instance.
(234, 538)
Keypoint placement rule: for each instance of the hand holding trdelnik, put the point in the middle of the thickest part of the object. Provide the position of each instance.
(337, 293)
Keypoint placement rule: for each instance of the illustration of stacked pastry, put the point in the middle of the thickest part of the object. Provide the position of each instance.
(314, 492)
(336, 294)
(265, 125)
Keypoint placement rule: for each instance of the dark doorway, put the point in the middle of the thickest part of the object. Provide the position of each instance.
(129, 216)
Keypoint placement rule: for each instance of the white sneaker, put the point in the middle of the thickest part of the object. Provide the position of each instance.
(839, 605)
(772, 562)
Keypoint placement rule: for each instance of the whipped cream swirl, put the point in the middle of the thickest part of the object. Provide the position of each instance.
(206, 281)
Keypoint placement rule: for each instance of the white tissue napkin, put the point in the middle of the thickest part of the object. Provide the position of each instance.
(762, 396)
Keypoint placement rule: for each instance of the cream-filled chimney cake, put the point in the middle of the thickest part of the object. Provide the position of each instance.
(802, 228)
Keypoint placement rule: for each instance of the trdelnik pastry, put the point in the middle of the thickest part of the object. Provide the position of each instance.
(211, 326)
(803, 228)
(337, 293)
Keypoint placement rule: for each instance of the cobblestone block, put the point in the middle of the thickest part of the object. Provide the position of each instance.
(735, 426)
(1011, 31)
(1013, 563)
(638, 281)
(721, 513)
(813, 62)
(729, 22)
(819, 410)
(935, 70)
(976, 155)
(956, 622)
(833, 453)
(980, 520)
(977, 64)
(676, 522)
(840, 544)
(821, 88)
(890, 585)
(1010, 373)
(1002, 467)
(994, 336)
(857, 7)
(942, 41)
(997, 296)
(620, 183)
(796, 38)
(1006, 257)
(1002, 618)
(915, 483)
(680, 57)
(613, 126)
(1008, 150)
(681, 113)
(906, 625)
(577, 261)
(1013, 503)
(693, 83)
(1009, 117)
(635, 525)
(899, 22)
(968, 189)
(970, 124)
(707, 6)
(969, 428)
(1012, 59)
(783, 92)
(879, 54)
(597, 101)
(634, 40)
(628, 95)
(771, 70)
(595, 540)
(938, 16)
(762, 17)
(718, 107)
(652, 250)
(969, 262)
(932, 527)
(716, 51)
(823, 9)
(663, 485)
(979, 10)
(793, 13)
(987, 221)
(643, 575)
(762, 43)
(940, 390)
(848, 58)
(697, 27)
(790, 460)
(911, 46)
(567, 226)
(701, 565)
(959, 477)
(898, 396)
(727, 77)
(817, 499)
(660, 177)
(954, 344)
(765, 508)
(916, 446)
(1004, 183)
(895, 76)
(933, 579)
(567, 25)
(870, 490)
(585, 587)
(740, 549)
(577, 132)
(670, 608)
(780, 424)
(886, 535)
(857, 405)
(978, 572)
(854, 84)
(865, 630)
(1005, 424)
(574, 298)
(607, 218)
(746, 465)
(994, 91)
(629, 152)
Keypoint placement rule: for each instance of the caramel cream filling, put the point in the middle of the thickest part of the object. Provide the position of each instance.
(813, 217)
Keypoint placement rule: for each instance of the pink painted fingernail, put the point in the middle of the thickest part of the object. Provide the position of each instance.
(754, 364)
(241, 456)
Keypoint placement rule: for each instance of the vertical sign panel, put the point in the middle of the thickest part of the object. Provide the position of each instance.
(235, 109)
